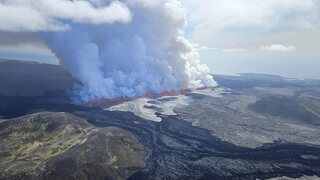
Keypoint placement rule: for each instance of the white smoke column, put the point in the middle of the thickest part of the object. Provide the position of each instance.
(125, 59)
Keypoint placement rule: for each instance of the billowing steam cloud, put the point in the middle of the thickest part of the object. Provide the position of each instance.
(121, 49)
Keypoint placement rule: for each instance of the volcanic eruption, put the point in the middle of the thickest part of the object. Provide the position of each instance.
(121, 48)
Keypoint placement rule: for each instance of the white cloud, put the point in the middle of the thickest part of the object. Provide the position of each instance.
(234, 23)
(199, 47)
(206, 48)
(233, 50)
(249, 12)
(278, 47)
(51, 15)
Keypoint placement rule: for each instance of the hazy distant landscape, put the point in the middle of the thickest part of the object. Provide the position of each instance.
(253, 126)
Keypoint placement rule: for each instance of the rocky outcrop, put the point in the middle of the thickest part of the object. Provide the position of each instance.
(63, 146)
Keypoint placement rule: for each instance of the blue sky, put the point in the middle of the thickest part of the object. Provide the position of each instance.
(233, 36)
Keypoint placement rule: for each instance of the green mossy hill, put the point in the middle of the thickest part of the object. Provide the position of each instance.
(54, 145)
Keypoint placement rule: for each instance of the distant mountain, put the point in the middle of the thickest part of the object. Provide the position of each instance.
(250, 80)
(285, 107)
(25, 78)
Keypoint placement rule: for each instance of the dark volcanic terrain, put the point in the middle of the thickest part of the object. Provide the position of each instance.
(31, 79)
(255, 126)
(51, 145)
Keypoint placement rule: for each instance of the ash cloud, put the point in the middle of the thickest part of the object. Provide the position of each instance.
(120, 48)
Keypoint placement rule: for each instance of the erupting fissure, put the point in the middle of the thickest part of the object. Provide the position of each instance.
(115, 48)
(130, 57)
(150, 95)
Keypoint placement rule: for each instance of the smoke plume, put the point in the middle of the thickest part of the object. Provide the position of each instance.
(122, 48)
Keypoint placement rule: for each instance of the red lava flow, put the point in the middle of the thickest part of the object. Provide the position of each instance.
(149, 95)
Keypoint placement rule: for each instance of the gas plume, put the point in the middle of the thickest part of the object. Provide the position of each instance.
(122, 48)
